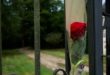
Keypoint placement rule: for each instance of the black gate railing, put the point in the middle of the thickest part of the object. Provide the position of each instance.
(94, 11)
(37, 36)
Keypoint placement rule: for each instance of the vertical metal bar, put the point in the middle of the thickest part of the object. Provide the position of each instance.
(37, 35)
(67, 58)
(107, 6)
(94, 11)
(0, 43)
(107, 25)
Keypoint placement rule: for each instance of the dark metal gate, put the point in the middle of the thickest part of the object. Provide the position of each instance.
(37, 35)
(94, 10)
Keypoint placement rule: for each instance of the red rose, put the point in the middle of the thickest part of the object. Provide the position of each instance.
(77, 30)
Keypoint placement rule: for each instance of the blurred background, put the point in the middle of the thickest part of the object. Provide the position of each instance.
(52, 35)
(18, 36)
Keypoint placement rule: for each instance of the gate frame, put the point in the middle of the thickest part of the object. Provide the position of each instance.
(95, 48)
(37, 36)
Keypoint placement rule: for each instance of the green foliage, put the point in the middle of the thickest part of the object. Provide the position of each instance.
(52, 23)
(17, 23)
(53, 38)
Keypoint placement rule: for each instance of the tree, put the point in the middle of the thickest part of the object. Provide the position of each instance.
(16, 18)
(18, 23)
(52, 22)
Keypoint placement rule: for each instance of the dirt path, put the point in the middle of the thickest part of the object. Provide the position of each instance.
(49, 61)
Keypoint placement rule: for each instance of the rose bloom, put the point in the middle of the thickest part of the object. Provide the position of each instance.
(77, 30)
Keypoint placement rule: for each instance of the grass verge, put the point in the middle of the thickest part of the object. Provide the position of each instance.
(14, 62)
(55, 52)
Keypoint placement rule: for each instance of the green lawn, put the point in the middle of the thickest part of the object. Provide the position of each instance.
(17, 63)
(45, 71)
(55, 52)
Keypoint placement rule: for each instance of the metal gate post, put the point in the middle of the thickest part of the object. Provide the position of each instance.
(0, 43)
(94, 12)
(37, 35)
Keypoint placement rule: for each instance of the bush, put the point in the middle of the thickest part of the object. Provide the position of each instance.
(53, 38)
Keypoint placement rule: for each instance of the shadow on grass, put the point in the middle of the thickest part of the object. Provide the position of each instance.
(11, 52)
